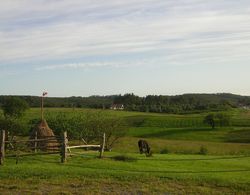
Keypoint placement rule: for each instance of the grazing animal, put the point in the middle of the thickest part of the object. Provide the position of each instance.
(144, 147)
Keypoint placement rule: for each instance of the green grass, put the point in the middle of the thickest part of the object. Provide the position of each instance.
(129, 144)
(226, 134)
(201, 134)
(231, 173)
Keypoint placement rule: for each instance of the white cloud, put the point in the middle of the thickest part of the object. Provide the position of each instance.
(179, 30)
(111, 64)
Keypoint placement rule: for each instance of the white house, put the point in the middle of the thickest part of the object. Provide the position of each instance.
(117, 107)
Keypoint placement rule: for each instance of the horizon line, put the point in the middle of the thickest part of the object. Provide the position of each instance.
(217, 93)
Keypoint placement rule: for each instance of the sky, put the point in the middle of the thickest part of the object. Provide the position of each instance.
(104, 47)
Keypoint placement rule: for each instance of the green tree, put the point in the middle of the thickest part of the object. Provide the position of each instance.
(210, 120)
(114, 128)
(13, 126)
(90, 126)
(14, 107)
(219, 119)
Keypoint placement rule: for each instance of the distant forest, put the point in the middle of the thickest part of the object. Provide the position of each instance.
(187, 103)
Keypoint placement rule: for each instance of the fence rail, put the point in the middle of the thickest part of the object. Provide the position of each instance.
(31, 140)
(84, 146)
(62, 146)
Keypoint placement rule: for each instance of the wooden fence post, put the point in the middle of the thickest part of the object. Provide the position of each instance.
(64, 148)
(36, 142)
(2, 147)
(102, 146)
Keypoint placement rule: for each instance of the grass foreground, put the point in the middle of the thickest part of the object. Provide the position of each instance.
(136, 174)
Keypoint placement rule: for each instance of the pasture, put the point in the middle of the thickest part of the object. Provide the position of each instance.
(178, 165)
(174, 173)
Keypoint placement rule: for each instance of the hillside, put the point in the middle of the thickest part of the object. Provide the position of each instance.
(188, 158)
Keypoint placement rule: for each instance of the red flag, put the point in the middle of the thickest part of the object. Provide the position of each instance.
(45, 93)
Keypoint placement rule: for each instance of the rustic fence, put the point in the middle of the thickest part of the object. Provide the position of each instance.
(46, 145)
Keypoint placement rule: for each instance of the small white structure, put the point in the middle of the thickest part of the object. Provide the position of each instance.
(117, 107)
(246, 107)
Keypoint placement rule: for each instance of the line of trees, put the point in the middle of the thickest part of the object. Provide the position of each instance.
(67, 102)
(187, 103)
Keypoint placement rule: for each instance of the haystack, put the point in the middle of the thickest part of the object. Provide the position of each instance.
(43, 131)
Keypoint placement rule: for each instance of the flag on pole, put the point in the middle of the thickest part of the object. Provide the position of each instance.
(45, 93)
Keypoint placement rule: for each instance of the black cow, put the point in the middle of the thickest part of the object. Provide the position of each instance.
(144, 147)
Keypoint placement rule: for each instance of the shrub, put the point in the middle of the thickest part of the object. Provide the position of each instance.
(203, 150)
(124, 158)
(14, 126)
(14, 107)
(164, 151)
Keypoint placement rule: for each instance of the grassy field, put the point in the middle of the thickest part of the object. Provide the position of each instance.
(158, 174)
(178, 164)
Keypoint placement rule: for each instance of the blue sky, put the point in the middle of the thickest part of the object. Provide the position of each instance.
(103, 47)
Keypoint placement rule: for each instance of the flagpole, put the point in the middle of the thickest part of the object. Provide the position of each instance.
(42, 102)
(42, 108)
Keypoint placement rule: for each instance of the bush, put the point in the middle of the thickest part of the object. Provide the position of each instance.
(14, 107)
(164, 151)
(203, 150)
(135, 121)
(124, 158)
(14, 126)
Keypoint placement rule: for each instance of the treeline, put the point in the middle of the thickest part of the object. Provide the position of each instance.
(187, 103)
(67, 102)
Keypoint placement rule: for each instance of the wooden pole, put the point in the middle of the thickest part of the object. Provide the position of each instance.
(17, 154)
(42, 107)
(2, 147)
(36, 142)
(64, 148)
(102, 146)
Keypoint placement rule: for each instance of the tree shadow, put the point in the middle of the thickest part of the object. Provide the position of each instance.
(173, 132)
(160, 171)
(239, 136)
(197, 159)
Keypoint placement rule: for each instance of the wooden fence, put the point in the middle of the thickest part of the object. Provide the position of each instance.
(34, 145)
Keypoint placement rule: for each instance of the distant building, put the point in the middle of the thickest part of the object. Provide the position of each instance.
(246, 107)
(117, 107)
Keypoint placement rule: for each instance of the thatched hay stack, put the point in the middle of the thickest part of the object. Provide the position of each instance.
(43, 132)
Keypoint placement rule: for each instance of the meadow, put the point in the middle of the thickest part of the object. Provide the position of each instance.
(188, 157)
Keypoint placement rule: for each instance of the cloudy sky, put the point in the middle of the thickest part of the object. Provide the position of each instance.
(103, 47)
